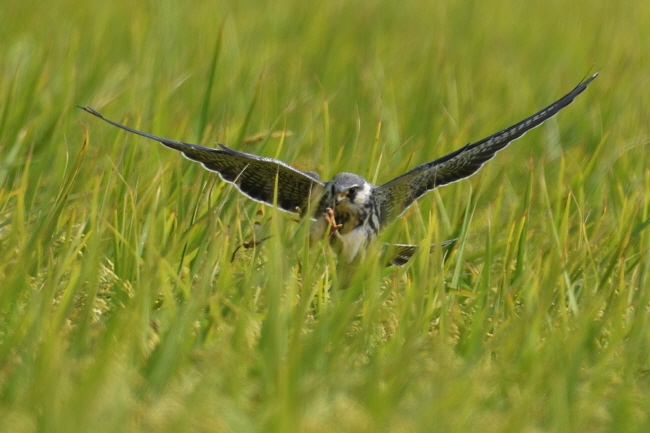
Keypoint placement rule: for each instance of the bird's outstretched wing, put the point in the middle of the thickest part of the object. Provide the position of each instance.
(253, 175)
(397, 195)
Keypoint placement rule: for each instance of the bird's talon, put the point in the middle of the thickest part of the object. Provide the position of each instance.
(331, 220)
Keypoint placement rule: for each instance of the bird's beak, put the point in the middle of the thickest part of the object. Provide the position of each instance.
(339, 198)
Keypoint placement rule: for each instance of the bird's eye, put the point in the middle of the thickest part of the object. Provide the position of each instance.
(352, 190)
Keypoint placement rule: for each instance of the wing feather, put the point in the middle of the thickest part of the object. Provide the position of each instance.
(253, 175)
(396, 196)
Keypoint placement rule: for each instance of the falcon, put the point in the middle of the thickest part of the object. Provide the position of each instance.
(348, 209)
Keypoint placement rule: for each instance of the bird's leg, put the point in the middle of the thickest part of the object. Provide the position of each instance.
(258, 231)
(331, 220)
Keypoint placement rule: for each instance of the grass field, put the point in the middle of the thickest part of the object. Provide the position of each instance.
(120, 309)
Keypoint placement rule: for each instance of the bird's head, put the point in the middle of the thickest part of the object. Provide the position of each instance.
(348, 191)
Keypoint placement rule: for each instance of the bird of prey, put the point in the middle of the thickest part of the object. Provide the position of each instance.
(348, 209)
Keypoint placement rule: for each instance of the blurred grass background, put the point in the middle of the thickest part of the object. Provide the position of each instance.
(121, 311)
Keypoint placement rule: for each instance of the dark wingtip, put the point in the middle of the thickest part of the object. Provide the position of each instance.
(583, 85)
(90, 110)
(590, 79)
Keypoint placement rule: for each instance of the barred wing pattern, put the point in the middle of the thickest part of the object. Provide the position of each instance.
(253, 175)
(397, 195)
